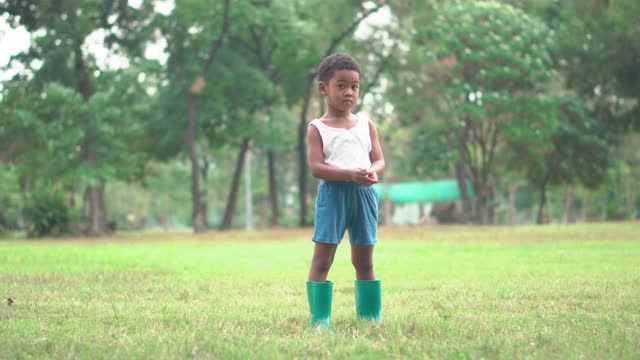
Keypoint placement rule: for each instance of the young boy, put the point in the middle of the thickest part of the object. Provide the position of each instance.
(344, 152)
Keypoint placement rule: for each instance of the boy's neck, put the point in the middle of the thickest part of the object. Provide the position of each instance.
(336, 114)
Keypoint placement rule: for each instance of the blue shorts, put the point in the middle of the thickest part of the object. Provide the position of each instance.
(346, 205)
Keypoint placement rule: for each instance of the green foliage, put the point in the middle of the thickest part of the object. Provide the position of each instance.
(525, 198)
(236, 88)
(79, 123)
(613, 212)
(56, 52)
(47, 215)
(161, 199)
(559, 144)
(480, 67)
(9, 213)
(4, 222)
(598, 53)
(53, 135)
(458, 74)
(486, 59)
(497, 49)
(9, 209)
(7, 221)
(274, 131)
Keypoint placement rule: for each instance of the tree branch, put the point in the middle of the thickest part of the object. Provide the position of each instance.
(492, 148)
(7, 153)
(467, 154)
(181, 78)
(243, 43)
(376, 76)
(258, 41)
(336, 40)
(218, 43)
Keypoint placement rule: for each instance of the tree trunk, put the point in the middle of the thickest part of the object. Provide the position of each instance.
(22, 219)
(273, 189)
(513, 188)
(461, 176)
(97, 210)
(197, 209)
(569, 210)
(549, 211)
(95, 194)
(230, 209)
(585, 204)
(491, 207)
(204, 172)
(71, 197)
(248, 190)
(483, 208)
(543, 199)
(198, 216)
(302, 152)
(482, 203)
(98, 215)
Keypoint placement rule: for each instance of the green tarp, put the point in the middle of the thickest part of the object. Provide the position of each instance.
(435, 191)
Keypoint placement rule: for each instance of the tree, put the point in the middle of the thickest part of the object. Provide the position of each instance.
(60, 55)
(194, 41)
(487, 60)
(51, 135)
(272, 46)
(9, 210)
(598, 54)
(557, 145)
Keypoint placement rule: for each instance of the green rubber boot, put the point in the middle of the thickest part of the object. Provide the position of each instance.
(320, 295)
(369, 300)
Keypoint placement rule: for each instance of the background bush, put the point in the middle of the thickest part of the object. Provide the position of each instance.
(47, 215)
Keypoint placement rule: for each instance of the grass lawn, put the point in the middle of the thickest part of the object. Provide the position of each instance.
(552, 292)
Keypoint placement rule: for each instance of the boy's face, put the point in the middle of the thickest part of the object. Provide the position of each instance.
(342, 90)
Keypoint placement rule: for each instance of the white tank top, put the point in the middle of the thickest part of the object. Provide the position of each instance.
(346, 148)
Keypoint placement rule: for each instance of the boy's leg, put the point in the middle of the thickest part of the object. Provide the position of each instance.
(368, 293)
(319, 290)
(362, 260)
(323, 255)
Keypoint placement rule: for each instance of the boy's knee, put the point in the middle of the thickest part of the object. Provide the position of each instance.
(362, 266)
(322, 266)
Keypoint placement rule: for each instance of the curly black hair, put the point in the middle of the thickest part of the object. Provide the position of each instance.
(334, 62)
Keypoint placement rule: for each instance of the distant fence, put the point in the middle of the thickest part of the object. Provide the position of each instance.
(417, 191)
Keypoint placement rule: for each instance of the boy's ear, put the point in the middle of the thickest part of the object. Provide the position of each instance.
(322, 87)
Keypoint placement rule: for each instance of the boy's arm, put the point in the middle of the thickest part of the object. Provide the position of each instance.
(376, 156)
(323, 171)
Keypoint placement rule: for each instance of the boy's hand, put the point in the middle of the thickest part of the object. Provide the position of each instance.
(364, 177)
(373, 176)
